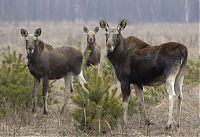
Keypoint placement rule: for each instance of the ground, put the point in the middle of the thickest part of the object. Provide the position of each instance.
(23, 123)
(190, 121)
(28, 124)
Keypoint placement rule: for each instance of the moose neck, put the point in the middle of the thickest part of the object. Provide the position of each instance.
(32, 58)
(117, 56)
(91, 45)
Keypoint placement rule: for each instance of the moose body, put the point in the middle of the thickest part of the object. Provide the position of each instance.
(54, 62)
(48, 63)
(138, 63)
(92, 46)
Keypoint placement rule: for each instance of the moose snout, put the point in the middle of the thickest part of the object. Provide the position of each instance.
(110, 47)
(30, 50)
(90, 40)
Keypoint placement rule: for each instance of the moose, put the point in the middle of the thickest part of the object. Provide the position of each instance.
(92, 46)
(138, 63)
(47, 63)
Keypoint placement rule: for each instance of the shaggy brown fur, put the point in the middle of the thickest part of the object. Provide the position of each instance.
(54, 62)
(47, 63)
(138, 63)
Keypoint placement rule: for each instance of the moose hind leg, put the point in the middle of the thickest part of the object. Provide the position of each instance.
(45, 94)
(81, 80)
(170, 89)
(139, 94)
(34, 94)
(71, 85)
(178, 90)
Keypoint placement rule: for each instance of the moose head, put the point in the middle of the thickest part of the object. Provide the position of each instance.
(113, 34)
(31, 40)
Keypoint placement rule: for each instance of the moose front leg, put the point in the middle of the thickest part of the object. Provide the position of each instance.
(125, 88)
(34, 94)
(45, 94)
(139, 94)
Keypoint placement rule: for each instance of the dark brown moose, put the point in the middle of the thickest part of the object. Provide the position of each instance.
(48, 63)
(138, 63)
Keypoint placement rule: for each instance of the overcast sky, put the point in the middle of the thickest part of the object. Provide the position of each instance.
(135, 11)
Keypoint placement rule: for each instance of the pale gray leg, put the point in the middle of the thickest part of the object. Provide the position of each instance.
(68, 87)
(170, 89)
(81, 80)
(45, 94)
(125, 88)
(71, 85)
(178, 90)
(34, 94)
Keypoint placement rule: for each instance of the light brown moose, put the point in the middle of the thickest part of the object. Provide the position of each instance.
(92, 46)
(47, 63)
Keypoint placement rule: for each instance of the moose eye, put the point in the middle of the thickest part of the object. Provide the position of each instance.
(106, 35)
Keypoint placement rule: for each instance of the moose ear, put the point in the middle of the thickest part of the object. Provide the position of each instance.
(96, 29)
(24, 32)
(37, 32)
(122, 25)
(85, 29)
(103, 24)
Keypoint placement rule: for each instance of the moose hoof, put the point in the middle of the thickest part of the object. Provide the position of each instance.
(63, 110)
(33, 110)
(148, 122)
(168, 127)
(45, 113)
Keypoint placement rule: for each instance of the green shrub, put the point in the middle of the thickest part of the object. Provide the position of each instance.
(99, 108)
(107, 70)
(192, 73)
(16, 84)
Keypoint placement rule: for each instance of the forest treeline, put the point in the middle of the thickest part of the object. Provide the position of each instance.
(90, 10)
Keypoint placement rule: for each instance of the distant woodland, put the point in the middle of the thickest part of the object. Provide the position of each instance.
(90, 10)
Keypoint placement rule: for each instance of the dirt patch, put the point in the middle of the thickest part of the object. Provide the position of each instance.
(28, 124)
(158, 114)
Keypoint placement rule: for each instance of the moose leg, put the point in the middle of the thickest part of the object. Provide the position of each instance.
(98, 68)
(68, 87)
(178, 90)
(45, 94)
(34, 94)
(71, 85)
(170, 89)
(139, 94)
(81, 80)
(125, 88)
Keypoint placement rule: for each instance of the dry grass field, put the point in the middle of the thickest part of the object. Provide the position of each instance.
(71, 34)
